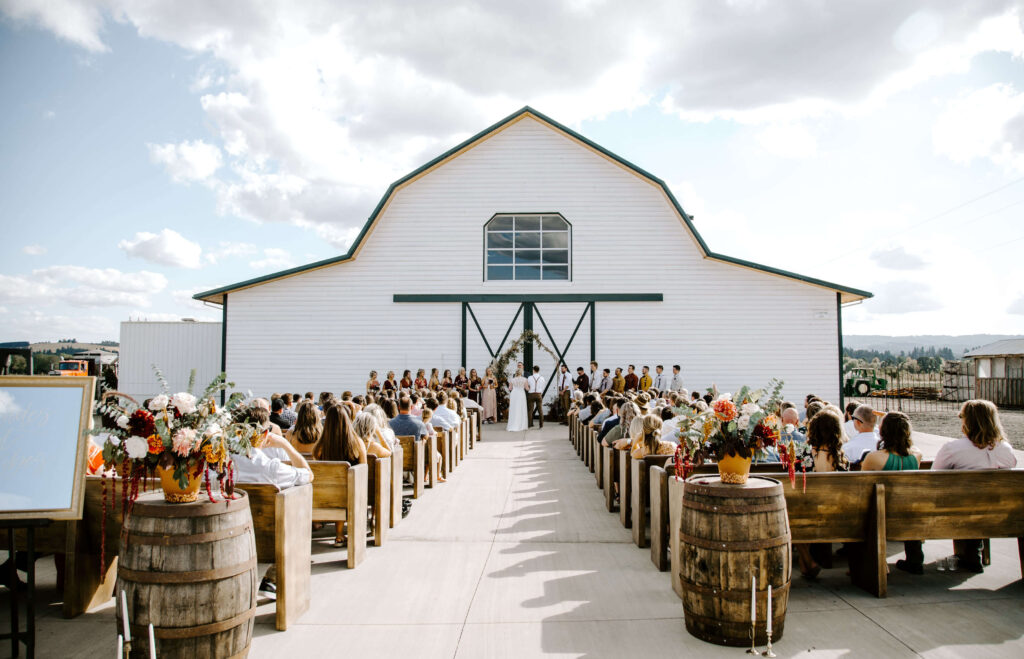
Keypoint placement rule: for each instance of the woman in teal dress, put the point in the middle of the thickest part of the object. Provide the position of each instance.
(896, 452)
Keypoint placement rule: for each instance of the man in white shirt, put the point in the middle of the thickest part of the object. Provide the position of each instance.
(535, 397)
(564, 391)
(677, 379)
(866, 439)
(595, 377)
(660, 379)
(445, 413)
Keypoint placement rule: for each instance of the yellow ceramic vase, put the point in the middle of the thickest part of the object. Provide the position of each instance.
(734, 469)
(173, 493)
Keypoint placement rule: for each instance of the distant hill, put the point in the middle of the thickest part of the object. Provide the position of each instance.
(895, 344)
(53, 346)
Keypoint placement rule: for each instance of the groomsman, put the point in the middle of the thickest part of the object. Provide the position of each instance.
(582, 381)
(595, 377)
(605, 384)
(564, 390)
(677, 379)
(645, 379)
(660, 379)
(632, 381)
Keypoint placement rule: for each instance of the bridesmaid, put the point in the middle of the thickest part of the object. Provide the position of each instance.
(475, 384)
(373, 384)
(461, 381)
(406, 382)
(389, 382)
(435, 383)
(446, 381)
(421, 382)
(489, 398)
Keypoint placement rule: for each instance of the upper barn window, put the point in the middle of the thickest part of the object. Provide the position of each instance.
(527, 247)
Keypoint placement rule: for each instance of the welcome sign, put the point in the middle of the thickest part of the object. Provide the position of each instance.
(43, 447)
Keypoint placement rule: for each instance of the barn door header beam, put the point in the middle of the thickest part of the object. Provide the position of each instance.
(485, 298)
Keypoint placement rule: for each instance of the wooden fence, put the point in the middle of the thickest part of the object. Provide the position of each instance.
(1005, 392)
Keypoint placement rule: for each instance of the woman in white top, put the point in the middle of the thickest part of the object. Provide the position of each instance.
(385, 435)
(517, 403)
(983, 446)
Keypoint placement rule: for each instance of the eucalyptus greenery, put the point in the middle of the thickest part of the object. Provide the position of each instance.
(501, 363)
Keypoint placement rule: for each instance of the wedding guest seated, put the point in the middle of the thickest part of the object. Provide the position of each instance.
(823, 452)
(406, 424)
(309, 396)
(602, 415)
(627, 412)
(445, 413)
(339, 442)
(428, 423)
(613, 418)
(384, 431)
(790, 421)
(812, 409)
(586, 409)
(983, 446)
(898, 453)
(670, 425)
(806, 414)
(649, 441)
(848, 427)
(866, 439)
(306, 431)
(389, 406)
(365, 426)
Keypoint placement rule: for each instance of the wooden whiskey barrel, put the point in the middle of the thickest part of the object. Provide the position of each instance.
(729, 534)
(190, 570)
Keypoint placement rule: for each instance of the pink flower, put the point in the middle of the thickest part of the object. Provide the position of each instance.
(183, 441)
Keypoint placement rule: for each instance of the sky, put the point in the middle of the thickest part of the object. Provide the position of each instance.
(152, 149)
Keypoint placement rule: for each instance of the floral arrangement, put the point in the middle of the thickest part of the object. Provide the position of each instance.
(180, 432)
(745, 424)
(501, 365)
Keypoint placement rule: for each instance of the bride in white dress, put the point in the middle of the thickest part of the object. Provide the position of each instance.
(517, 403)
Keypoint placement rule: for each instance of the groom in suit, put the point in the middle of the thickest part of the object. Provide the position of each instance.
(535, 397)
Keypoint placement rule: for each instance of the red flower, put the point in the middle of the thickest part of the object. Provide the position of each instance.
(141, 423)
(156, 445)
(725, 410)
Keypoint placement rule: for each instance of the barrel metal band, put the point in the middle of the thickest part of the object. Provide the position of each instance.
(198, 630)
(736, 545)
(196, 576)
(742, 595)
(206, 509)
(777, 620)
(194, 539)
(731, 510)
(769, 487)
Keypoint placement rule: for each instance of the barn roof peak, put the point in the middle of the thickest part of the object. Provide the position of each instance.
(216, 296)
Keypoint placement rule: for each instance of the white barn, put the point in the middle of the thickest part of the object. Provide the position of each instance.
(530, 225)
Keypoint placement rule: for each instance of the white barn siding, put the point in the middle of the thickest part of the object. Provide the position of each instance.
(175, 348)
(325, 329)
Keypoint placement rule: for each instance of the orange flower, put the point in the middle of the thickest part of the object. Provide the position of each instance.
(156, 445)
(725, 410)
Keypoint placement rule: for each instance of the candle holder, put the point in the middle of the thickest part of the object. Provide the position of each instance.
(768, 651)
(753, 635)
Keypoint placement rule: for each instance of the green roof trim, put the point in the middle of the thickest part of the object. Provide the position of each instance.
(526, 110)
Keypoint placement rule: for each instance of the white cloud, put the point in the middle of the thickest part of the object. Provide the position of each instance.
(229, 249)
(104, 278)
(7, 404)
(984, 123)
(71, 20)
(788, 141)
(897, 258)
(274, 258)
(1017, 306)
(187, 161)
(903, 296)
(165, 248)
(34, 250)
(49, 114)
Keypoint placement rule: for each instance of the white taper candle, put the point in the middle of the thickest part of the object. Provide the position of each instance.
(124, 618)
(152, 643)
(769, 612)
(120, 647)
(753, 600)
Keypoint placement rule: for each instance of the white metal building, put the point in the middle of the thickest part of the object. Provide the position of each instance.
(175, 348)
(530, 225)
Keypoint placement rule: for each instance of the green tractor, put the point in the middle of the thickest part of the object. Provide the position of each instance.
(862, 381)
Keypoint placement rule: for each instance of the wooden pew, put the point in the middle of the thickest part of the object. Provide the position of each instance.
(430, 451)
(869, 509)
(412, 460)
(282, 522)
(625, 488)
(599, 465)
(444, 445)
(641, 492)
(658, 493)
(611, 476)
(379, 493)
(340, 494)
(397, 477)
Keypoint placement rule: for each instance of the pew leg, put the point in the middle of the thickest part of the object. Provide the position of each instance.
(986, 552)
(1020, 554)
(868, 568)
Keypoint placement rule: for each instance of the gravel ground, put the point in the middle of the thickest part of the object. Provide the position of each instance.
(948, 425)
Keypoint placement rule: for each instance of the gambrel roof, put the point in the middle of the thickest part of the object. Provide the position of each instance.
(847, 294)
